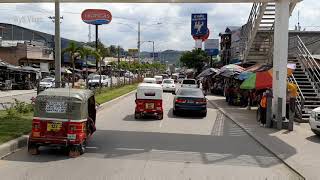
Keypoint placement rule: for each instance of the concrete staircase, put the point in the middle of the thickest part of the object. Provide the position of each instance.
(258, 33)
(308, 94)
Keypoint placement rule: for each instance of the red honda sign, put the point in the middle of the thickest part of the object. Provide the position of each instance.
(96, 16)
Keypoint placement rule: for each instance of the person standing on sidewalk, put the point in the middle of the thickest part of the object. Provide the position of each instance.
(263, 109)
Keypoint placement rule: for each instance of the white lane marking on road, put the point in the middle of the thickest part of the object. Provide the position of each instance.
(91, 147)
(132, 149)
(160, 125)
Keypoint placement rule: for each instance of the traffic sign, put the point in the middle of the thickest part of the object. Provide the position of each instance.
(156, 55)
(199, 24)
(211, 46)
(96, 16)
(212, 52)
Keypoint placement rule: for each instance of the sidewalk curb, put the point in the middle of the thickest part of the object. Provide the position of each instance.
(257, 139)
(108, 103)
(13, 145)
(17, 94)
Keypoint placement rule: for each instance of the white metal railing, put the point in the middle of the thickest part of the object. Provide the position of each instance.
(308, 62)
(252, 26)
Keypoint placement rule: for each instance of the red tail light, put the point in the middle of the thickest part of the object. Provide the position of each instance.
(75, 128)
(36, 125)
(201, 101)
(181, 100)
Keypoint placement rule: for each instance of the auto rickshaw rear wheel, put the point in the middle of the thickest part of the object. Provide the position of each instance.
(137, 115)
(160, 116)
(33, 149)
(74, 152)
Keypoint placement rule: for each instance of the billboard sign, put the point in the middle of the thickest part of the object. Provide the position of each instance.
(199, 24)
(96, 16)
(156, 55)
(211, 47)
(212, 52)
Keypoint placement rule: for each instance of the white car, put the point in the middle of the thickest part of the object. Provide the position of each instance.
(168, 85)
(47, 83)
(158, 79)
(189, 83)
(314, 120)
(94, 81)
(128, 74)
(150, 80)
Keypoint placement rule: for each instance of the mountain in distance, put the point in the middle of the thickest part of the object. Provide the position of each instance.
(172, 56)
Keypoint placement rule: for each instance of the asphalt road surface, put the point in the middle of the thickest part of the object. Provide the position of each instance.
(186, 148)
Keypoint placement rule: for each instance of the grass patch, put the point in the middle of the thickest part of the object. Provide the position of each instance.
(111, 93)
(14, 126)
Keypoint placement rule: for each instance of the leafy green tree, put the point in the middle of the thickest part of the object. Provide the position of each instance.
(194, 59)
(72, 49)
(84, 53)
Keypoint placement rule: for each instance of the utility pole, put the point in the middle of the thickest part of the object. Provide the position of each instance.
(153, 50)
(57, 45)
(139, 41)
(97, 45)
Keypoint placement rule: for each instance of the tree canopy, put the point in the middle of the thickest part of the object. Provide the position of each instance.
(194, 59)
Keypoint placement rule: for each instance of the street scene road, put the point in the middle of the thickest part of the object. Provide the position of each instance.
(79, 78)
(184, 147)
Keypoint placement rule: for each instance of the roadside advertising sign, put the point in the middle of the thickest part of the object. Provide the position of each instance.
(199, 24)
(211, 46)
(96, 16)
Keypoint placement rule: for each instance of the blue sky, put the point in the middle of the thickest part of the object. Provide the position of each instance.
(173, 32)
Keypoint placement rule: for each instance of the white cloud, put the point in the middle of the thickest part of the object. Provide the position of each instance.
(172, 33)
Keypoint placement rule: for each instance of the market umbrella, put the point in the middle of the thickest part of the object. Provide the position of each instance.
(244, 75)
(208, 72)
(231, 70)
(264, 79)
(258, 80)
(250, 82)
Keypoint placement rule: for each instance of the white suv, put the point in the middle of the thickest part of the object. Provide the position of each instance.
(314, 120)
(189, 83)
(94, 81)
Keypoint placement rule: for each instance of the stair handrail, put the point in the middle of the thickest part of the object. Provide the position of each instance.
(309, 63)
(252, 26)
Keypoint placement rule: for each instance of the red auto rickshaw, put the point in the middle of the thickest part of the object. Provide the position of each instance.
(63, 117)
(149, 101)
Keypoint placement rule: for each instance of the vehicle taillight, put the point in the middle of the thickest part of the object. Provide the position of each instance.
(75, 128)
(181, 101)
(201, 101)
(35, 125)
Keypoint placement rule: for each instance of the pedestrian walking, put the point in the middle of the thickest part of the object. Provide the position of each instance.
(263, 109)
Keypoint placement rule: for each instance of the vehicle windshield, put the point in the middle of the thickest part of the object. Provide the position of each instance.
(97, 77)
(168, 82)
(47, 80)
(187, 81)
(190, 92)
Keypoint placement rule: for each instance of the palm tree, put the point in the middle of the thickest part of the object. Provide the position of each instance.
(84, 53)
(72, 49)
(98, 57)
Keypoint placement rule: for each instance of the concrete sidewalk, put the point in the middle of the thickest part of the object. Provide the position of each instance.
(299, 149)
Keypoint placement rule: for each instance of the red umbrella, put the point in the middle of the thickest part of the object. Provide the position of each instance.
(264, 79)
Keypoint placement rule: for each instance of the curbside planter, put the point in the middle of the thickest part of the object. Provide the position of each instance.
(111, 102)
(13, 145)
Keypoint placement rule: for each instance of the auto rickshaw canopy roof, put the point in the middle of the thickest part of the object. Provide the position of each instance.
(79, 94)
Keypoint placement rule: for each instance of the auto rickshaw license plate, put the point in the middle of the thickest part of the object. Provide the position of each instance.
(54, 126)
(149, 105)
